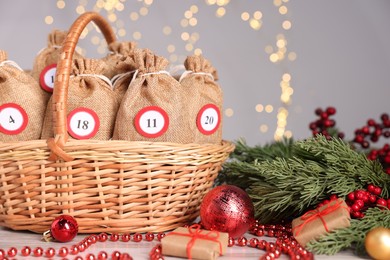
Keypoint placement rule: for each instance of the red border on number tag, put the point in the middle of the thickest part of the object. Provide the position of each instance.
(91, 113)
(42, 78)
(140, 116)
(199, 119)
(23, 115)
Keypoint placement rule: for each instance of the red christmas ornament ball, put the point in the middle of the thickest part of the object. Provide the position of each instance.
(227, 208)
(64, 228)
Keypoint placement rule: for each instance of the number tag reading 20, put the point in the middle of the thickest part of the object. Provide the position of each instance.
(151, 121)
(83, 123)
(208, 119)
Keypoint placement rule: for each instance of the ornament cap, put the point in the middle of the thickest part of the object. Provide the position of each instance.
(47, 237)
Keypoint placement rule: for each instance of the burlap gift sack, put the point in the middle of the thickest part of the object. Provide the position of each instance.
(205, 105)
(152, 108)
(120, 59)
(45, 62)
(92, 103)
(22, 103)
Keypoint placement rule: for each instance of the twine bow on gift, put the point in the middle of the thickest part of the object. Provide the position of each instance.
(195, 233)
(317, 213)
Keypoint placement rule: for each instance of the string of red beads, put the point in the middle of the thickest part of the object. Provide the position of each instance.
(284, 244)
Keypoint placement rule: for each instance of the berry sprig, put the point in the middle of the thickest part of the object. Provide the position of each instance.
(382, 155)
(325, 125)
(360, 200)
(372, 131)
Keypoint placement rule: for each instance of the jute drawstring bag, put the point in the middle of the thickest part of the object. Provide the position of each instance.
(118, 59)
(92, 103)
(121, 81)
(45, 62)
(152, 108)
(205, 106)
(22, 103)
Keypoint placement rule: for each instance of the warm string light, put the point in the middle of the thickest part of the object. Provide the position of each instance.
(278, 52)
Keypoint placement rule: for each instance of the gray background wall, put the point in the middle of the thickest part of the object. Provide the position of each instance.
(342, 49)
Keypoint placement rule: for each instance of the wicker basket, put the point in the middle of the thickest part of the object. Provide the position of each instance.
(108, 186)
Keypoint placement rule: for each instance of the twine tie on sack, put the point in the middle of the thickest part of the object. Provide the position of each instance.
(118, 77)
(190, 72)
(11, 63)
(196, 233)
(150, 73)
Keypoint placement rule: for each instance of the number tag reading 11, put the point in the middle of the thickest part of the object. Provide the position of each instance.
(151, 121)
(46, 78)
(83, 123)
(13, 119)
(208, 119)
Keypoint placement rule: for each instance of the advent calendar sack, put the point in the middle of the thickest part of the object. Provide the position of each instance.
(152, 108)
(205, 105)
(45, 63)
(22, 103)
(92, 103)
(120, 59)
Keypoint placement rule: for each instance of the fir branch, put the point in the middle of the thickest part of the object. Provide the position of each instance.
(344, 165)
(283, 187)
(246, 153)
(352, 236)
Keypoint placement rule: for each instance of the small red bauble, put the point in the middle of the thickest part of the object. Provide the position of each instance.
(227, 208)
(63, 229)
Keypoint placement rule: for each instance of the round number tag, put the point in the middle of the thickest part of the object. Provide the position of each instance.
(46, 78)
(151, 121)
(13, 119)
(208, 119)
(83, 123)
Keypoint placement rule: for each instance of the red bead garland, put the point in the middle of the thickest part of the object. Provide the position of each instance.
(284, 244)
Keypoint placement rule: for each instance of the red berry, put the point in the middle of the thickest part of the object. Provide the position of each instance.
(359, 194)
(355, 207)
(366, 130)
(331, 110)
(372, 198)
(371, 188)
(333, 197)
(371, 122)
(378, 191)
(351, 196)
(318, 111)
(360, 203)
(381, 202)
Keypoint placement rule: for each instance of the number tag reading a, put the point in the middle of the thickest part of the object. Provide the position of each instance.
(83, 123)
(13, 119)
(151, 121)
(46, 78)
(208, 119)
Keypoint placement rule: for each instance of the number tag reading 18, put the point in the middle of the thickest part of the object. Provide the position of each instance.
(151, 121)
(13, 119)
(46, 78)
(83, 123)
(208, 119)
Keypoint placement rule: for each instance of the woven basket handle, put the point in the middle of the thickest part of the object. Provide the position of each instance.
(61, 83)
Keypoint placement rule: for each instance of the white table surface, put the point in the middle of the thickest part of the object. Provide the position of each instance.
(138, 251)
